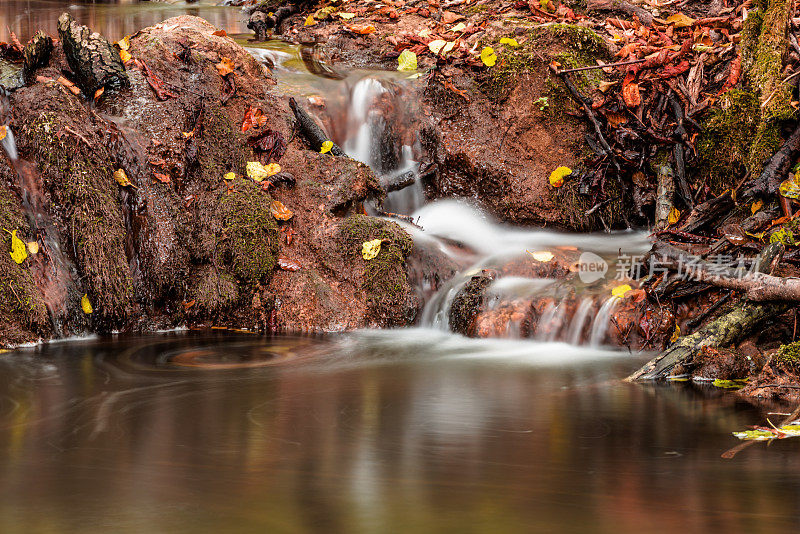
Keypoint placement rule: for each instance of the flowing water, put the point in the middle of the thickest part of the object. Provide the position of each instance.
(413, 430)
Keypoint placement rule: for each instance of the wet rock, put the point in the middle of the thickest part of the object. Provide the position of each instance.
(467, 304)
(91, 57)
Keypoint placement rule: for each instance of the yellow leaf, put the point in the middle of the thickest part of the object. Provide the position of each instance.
(18, 253)
(436, 45)
(310, 20)
(3, 132)
(229, 176)
(407, 60)
(33, 247)
(125, 56)
(790, 187)
(509, 41)
(259, 172)
(557, 176)
(279, 211)
(460, 27)
(676, 334)
(225, 66)
(370, 249)
(674, 215)
(124, 43)
(620, 291)
(541, 255)
(679, 20)
(448, 47)
(121, 178)
(488, 56)
(326, 147)
(86, 306)
(757, 205)
(346, 16)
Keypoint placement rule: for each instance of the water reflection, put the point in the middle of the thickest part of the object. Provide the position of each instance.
(113, 19)
(358, 434)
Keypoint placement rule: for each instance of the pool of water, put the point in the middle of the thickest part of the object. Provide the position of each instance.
(388, 431)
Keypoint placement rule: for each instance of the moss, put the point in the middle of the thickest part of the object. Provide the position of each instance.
(726, 138)
(467, 304)
(385, 282)
(574, 206)
(249, 239)
(222, 148)
(572, 46)
(788, 357)
(79, 178)
(23, 315)
(215, 290)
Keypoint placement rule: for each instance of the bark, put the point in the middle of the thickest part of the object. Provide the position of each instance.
(91, 57)
(707, 212)
(311, 130)
(777, 168)
(620, 6)
(665, 196)
(723, 331)
(36, 54)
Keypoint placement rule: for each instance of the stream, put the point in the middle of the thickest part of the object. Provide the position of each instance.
(405, 430)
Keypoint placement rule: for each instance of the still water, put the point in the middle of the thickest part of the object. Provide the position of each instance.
(387, 431)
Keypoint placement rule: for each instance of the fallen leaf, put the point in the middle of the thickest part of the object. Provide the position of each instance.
(370, 249)
(679, 20)
(258, 172)
(163, 178)
(448, 17)
(604, 86)
(756, 206)
(86, 305)
(288, 265)
(620, 291)
(364, 29)
(460, 27)
(674, 215)
(790, 187)
(125, 56)
(346, 16)
(558, 175)
(3, 132)
(488, 56)
(69, 85)
(18, 253)
(155, 82)
(220, 33)
(229, 176)
(541, 255)
(509, 41)
(124, 43)
(33, 247)
(279, 211)
(121, 178)
(310, 20)
(269, 142)
(675, 334)
(99, 93)
(326, 147)
(436, 45)
(187, 305)
(630, 93)
(225, 66)
(407, 61)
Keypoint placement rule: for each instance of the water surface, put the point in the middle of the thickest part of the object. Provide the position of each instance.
(388, 431)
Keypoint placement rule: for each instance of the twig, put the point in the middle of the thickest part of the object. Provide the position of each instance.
(592, 67)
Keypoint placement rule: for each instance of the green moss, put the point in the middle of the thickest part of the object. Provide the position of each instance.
(23, 315)
(250, 238)
(574, 206)
(788, 357)
(79, 178)
(222, 148)
(572, 46)
(215, 290)
(724, 143)
(385, 282)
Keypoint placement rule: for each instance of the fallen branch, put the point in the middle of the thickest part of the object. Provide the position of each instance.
(776, 169)
(311, 130)
(620, 6)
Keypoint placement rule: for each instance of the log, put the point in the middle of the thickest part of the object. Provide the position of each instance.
(36, 54)
(777, 168)
(311, 130)
(620, 6)
(91, 57)
(401, 181)
(721, 332)
(665, 196)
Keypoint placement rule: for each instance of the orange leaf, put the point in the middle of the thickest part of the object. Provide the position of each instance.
(364, 29)
(163, 178)
(220, 33)
(630, 93)
(288, 265)
(225, 66)
(279, 211)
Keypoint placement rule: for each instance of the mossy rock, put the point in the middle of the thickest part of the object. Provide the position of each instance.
(222, 148)
(724, 143)
(467, 304)
(390, 299)
(78, 174)
(788, 357)
(214, 290)
(23, 314)
(572, 46)
(249, 239)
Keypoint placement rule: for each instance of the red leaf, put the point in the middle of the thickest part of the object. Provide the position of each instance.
(288, 265)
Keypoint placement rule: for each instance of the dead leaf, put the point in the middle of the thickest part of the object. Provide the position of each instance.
(279, 211)
(163, 178)
(630, 93)
(220, 33)
(679, 20)
(225, 66)
(288, 265)
(270, 143)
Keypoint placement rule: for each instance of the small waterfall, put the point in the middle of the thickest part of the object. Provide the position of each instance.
(10, 145)
(600, 324)
(579, 321)
(373, 140)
